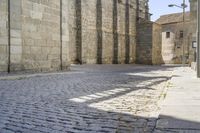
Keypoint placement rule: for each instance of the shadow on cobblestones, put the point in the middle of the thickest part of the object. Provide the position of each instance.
(100, 99)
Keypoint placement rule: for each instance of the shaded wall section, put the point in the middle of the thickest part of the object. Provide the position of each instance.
(148, 49)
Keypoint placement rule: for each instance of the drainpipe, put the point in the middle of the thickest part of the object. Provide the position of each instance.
(9, 42)
(61, 43)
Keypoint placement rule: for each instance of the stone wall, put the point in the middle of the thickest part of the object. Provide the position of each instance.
(157, 58)
(35, 35)
(41, 34)
(102, 31)
(3, 35)
(65, 47)
(105, 32)
(48, 35)
(148, 49)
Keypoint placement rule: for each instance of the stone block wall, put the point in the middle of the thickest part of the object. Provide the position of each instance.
(40, 22)
(35, 35)
(149, 44)
(48, 35)
(74, 25)
(144, 43)
(105, 31)
(102, 31)
(89, 31)
(157, 58)
(16, 39)
(65, 47)
(3, 35)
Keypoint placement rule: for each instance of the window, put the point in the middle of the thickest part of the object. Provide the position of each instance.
(181, 34)
(167, 34)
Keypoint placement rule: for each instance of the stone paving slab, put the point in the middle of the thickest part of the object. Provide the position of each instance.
(180, 110)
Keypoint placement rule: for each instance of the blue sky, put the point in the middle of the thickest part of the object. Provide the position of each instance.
(160, 7)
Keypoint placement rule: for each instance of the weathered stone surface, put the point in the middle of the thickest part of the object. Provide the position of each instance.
(41, 24)
(50, 35)
(180, 39)
(157, 58)
(3, 35)
(148, 43)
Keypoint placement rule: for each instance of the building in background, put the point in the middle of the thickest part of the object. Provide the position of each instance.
(178, 38)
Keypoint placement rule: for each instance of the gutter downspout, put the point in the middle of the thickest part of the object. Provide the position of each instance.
(9, 41)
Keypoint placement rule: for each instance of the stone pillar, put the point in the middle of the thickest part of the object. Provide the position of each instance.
(132, 30)
(4, 35)
(107, 31)
(16, 35)
(65, 33)
(89, 31)
(121, 14)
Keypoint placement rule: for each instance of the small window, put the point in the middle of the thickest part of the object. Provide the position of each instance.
(167, 34)
(181, 34)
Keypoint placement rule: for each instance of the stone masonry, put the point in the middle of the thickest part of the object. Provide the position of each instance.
(3, 35)
(148, 49)
(103, 31)
(48, 35)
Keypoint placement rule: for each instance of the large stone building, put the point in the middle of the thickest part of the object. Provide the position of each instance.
(40, 35)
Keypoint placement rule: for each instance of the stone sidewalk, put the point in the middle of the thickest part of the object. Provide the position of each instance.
(180, 111)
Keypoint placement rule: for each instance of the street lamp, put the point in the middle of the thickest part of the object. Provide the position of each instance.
(183, 6)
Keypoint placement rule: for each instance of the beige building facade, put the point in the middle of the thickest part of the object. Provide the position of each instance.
(178, 40)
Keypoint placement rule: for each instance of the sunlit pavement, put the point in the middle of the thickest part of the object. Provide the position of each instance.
(180, 111)
(88, 99)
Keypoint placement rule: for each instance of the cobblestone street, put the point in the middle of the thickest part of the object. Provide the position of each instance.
(88, 99)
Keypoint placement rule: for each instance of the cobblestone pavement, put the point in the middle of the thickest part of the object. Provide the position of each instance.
(88, 99)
